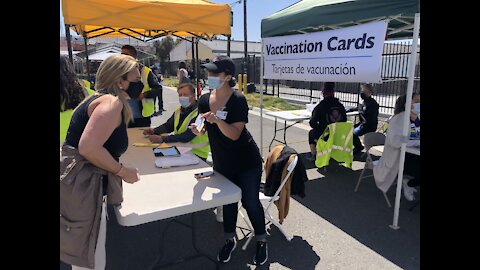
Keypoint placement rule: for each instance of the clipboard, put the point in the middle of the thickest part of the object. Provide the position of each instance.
(170, 151)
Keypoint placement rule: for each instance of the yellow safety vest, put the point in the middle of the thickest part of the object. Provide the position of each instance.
(202, 151)
(339, 145)
(86, 84)
(65, 117)
(147, 103)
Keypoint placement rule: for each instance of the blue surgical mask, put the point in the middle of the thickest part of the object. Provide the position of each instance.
(416, 108)
(214, 82)
(184, 101)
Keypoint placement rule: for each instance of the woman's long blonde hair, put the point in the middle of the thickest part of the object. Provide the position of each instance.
(111, 70)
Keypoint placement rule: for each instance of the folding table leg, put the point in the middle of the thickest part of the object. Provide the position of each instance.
(274, 134)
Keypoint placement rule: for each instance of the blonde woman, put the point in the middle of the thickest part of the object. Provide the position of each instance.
(89, 164)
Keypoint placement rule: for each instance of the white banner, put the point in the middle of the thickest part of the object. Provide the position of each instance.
(352, 54)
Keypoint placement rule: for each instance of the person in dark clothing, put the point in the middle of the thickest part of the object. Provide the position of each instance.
(328, 111)
(187, 111)
(98, 130)
(235, 154)
(71, 94)
(136, 93)
(159, 97)
(368, 113)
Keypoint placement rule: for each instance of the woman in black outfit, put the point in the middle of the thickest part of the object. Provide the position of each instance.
(235, 154)
(98, 129)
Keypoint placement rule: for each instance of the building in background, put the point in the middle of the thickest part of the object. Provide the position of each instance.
(210, 49)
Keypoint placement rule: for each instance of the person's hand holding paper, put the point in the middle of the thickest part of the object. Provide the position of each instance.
(198, 126)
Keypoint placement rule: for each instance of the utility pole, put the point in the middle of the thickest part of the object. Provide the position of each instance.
(245, 64)
(229, 37)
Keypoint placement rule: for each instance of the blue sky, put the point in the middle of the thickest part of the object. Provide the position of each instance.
(256, 11)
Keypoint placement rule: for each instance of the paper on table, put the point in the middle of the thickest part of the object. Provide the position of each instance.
(184, 150)
(183, 160)
(150, 144)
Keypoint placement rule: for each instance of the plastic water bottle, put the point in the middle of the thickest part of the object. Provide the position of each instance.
(413, 131)
(210, 159)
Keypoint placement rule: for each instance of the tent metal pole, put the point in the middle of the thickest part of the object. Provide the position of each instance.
(406, 121)
(193, 59)
(261, 99)
(69, 42)
(229, 37)
(197, 66)
(86, 56)
(245, 50)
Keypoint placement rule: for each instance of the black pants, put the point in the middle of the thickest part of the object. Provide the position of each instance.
(159, 97)
(412, 168)
(358, 131)
(140, 122)
(249, 182)
(313, 135)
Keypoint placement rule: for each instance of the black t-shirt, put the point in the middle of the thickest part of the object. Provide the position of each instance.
(328, 111)
(368, 113)
(230, 157)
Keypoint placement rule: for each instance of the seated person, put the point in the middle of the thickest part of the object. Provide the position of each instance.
(368, 113)
(179, 122)
(415, 112)
(328, 111)
(386, 171)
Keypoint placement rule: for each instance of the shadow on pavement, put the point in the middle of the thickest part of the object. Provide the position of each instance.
(140, 247)
(365, 215)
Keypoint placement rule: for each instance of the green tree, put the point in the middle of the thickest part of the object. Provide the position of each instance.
(162, 50)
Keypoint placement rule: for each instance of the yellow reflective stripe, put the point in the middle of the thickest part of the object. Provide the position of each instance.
(342, 148)
(350, 134)
(322, 153)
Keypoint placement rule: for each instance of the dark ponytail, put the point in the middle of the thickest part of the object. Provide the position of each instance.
(232, 82)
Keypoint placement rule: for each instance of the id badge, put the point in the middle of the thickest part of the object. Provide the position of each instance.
(221, 114)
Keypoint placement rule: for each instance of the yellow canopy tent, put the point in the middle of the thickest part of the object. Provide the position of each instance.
(146, 19)
(149, 19)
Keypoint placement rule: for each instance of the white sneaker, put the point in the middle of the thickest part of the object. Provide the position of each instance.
(219, 214)
(408, 191)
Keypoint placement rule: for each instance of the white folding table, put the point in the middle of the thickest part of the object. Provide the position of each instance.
(166, 193)
(295, 116)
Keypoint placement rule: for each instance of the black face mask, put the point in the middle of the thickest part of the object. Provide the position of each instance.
(363, 96)
(134, 89)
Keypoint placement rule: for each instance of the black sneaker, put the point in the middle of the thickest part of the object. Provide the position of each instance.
(261, 256)
(226, 251)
